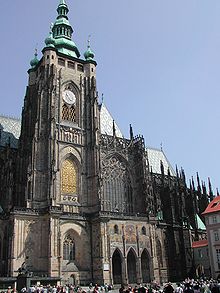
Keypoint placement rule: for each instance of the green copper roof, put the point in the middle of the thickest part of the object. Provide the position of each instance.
(200, 223)
(62, 32)
(34, 61)
(67, 47)
(89, 55)
(62, 21)
(50, 41)
(61, 35)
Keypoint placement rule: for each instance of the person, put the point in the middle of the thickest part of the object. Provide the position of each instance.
(168, 288)
(24, 290)
(106, 287)
(188, 288)
(178, 289)
(122, 289)
(215, 288)
(96, 289)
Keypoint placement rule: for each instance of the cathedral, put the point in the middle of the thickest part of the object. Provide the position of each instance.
(80, 202)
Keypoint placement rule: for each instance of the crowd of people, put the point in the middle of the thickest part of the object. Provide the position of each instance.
(187, 286)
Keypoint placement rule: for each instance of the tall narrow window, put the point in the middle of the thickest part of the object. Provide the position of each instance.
(72, 114)
(69, 248)
(68, 177)
(65, 112)
(218, 257)
(216, 236)
(116, 231)
(143, 231)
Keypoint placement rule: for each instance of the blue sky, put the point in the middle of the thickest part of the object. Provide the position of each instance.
(158, 67)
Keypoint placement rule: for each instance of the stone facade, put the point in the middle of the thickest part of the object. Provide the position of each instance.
(84, 205)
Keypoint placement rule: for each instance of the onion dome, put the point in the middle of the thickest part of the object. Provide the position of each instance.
(50, 41)
(89, 55)
(34, 61)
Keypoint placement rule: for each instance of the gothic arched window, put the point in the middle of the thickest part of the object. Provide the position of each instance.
(117, 187)
(69, 177)
(70, 102)
(159, 252)
(69, 248)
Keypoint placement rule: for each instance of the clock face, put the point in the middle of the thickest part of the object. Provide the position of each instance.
(69, 97)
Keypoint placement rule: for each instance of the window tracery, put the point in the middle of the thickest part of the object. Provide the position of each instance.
(68, 177)
(69, 113)
(65, 112)
(72, 114)
(69, 248)
(117, 187)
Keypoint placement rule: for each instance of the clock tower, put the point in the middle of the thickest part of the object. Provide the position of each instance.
(58, 160)
(60, 124)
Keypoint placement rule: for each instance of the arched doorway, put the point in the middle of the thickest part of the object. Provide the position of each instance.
(72, 280)
(131, 265)
(117, 267)
(145, 266)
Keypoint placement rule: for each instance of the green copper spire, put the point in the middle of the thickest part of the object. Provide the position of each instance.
(34, 61)
(89, 55)
(62, 32)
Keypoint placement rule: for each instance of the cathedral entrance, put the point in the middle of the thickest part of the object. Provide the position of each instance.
(131, 265)
(145, 266)
(117, 268)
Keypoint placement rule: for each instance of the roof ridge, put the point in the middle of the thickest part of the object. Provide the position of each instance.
(9, 117)
(154, 148)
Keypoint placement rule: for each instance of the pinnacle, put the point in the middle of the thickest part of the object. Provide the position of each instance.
(62, 2)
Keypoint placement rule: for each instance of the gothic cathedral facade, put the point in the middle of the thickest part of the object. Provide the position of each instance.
(77, 200)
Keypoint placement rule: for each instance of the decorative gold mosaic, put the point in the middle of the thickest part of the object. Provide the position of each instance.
(68, 177)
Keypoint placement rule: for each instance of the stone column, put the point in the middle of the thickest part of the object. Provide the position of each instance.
(139, 272)
(124, 271)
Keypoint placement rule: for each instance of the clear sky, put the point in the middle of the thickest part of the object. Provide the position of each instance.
(158, 67)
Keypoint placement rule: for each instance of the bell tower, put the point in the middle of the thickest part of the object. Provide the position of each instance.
(58, 150)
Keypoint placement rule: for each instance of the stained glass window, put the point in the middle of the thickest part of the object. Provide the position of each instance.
(68, 177)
